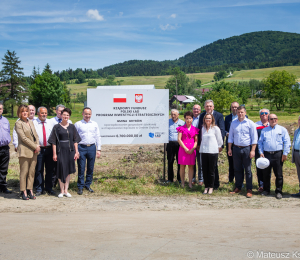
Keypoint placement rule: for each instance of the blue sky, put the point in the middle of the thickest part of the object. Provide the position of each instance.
(94, 34)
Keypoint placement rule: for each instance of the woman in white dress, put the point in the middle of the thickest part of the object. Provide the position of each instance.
(211, 146)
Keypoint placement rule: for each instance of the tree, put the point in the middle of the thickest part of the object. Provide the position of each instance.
(222, 99)
(110, 81)
(47, 91)
(198, 82)
(92, 83)
(14, 89)
(220, 75)
(178, 83)
(47, 69)
(80, 77)
(278, 87)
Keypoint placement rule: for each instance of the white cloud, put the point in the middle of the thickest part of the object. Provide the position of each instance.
(120, 13)
(173, 15)
(168, 27)
(158, 17)
(94, 14)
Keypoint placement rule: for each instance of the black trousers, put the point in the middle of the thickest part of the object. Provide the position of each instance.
(44, 160)
(209, 163)
(4, 160)
(231, 168)
(172, 152)
(276, 164)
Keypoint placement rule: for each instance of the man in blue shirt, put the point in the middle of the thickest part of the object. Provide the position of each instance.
(4, 150)
(244, 135)
(296, 154)
(274, 144)
(173, 145)
(196, 116)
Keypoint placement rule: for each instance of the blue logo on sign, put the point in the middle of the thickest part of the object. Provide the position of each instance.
(151, 135)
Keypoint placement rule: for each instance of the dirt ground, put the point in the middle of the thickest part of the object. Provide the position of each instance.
(147, 227)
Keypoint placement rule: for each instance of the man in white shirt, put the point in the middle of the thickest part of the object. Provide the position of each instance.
(58, 119)
(43, 127)
(89, 133)
(31, 117)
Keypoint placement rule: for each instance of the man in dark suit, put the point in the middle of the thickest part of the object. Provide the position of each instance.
(219, 121)
(228, 120)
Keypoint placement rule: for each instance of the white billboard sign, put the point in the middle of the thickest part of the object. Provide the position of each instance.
(130, 116)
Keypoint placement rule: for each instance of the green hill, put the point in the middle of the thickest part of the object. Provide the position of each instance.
(254, 50)
(266, 46)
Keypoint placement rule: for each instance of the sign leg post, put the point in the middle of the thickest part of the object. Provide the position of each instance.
(164, 174)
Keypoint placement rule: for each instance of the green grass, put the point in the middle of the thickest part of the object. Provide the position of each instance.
(206, 78)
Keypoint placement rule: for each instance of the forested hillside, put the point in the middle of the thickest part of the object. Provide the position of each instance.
(255, 50)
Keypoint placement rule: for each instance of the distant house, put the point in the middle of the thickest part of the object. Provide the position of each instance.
(182, 99)
(297, 85)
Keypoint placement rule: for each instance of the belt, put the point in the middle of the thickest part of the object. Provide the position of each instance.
(45, 147)
(272, 152)
(4, 147)
(296, 150)
(87, 145)
(241, 146)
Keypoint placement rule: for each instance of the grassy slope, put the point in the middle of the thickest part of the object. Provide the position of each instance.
(160, 81)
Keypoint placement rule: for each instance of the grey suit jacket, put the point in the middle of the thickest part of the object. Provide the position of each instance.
(294, 138)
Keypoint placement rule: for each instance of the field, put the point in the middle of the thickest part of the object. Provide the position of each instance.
(206, 78)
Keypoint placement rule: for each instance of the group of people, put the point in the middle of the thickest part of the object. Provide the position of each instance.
(200, 139)
(54, 144)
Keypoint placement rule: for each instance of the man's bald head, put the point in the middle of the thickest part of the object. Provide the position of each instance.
(31, 111)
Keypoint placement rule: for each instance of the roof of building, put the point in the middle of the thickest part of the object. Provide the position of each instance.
(180, 97)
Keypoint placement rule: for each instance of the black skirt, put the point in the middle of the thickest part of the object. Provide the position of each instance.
(65, 162)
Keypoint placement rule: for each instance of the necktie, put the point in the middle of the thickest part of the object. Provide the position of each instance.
(59, 120)
(44, 134)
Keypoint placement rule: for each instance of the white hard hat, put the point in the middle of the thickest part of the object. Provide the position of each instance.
(262, 163)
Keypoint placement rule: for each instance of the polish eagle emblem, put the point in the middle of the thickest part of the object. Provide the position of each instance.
(138, 98)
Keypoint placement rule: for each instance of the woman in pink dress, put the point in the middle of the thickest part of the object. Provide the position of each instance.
(187, 139)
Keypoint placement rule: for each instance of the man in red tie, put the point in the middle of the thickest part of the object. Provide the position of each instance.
(44, 128)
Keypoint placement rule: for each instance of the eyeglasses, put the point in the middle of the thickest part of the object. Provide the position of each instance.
(273, 118)
(196, 109)
(263, 113)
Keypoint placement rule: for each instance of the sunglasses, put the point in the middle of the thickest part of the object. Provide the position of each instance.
(263, 113)
(273, 118)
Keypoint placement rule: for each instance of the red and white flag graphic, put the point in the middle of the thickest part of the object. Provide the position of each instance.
(119, 98)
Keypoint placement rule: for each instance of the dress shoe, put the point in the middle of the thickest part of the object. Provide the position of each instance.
(6, 191)
(260, 189)
(79, 192)
(193, 182)
(236, 190)
(51, 193)
(297, 195)
(89, 189)
(200, 183)
(249, 194)
(265, 193)
(38, 193)
(278, 196)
